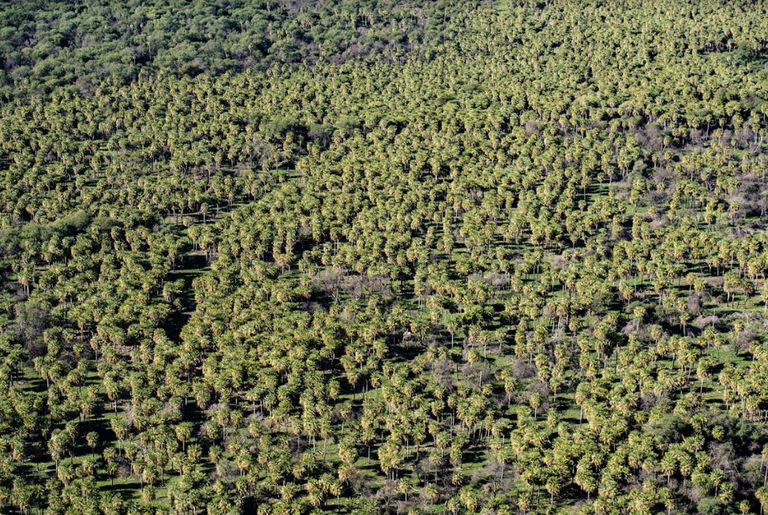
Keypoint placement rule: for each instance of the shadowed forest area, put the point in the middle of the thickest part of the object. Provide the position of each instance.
(384, 256)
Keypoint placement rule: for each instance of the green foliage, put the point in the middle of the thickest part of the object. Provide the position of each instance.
(383, 256)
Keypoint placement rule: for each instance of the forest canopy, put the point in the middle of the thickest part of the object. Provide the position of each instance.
(384, 256)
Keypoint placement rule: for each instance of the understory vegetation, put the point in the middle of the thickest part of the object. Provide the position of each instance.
(384, 256)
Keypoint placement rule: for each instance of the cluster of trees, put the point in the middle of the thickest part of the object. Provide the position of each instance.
(516, 266)
(51, 45)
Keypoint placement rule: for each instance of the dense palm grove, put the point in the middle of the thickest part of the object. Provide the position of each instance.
(384, 256)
